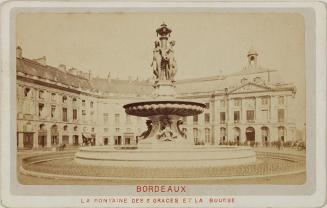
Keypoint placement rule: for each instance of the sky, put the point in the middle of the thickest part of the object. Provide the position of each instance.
(206, 43)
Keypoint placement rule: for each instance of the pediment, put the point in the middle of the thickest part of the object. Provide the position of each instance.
(249, 87)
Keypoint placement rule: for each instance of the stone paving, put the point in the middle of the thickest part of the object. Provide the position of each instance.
(268, 162)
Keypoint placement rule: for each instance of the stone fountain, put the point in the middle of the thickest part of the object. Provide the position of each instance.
(164, 144)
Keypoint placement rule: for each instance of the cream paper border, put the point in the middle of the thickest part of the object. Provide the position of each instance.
(311, 194)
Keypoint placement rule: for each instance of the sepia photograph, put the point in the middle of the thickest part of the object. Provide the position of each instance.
(176, 97)
(163, 105)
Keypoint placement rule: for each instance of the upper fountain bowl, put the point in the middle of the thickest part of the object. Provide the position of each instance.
(164, 107)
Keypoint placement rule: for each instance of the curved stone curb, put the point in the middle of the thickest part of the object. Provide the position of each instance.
(24, 171)
(57, 176)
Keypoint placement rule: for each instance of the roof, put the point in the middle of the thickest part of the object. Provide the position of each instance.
(34, 68)
(135, 87)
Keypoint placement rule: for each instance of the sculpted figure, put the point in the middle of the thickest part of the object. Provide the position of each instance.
(146, 133)
(156, 62)
(164, 63)
(172, 61)
(179, 123)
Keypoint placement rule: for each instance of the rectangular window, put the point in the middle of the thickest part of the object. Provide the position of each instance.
(237, 102)
(236, 116)
(281, 100)
(83, 103)
(222, 117)
(207, 118)
(250, 115)
(281, 115)
(207, 135)
(53, 111)
(74, 114)
(41, 94)
(53, 96)
(127, 141)
(195, 119)
(41, 107)
(117, 119)
(83, 114)
(91, 104)
(264, 101)
(64, 114)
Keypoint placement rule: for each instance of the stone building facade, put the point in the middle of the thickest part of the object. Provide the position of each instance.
(56, 105)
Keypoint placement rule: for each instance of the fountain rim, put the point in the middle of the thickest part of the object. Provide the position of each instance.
(149, 113)
(163, 102)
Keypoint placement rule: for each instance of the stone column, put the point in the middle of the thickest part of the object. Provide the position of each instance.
(257, 111)
(60, 134)
(111, 141)
(48, 138)
(80, 138)
(273, 134)
(258, 135)
(213, 121)
(274, 107)
(242, 134)
(243, 110)
(230, 133)
(35, 139)
(20, 140)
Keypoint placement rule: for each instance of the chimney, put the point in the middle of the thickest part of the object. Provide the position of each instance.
(42, 60)
(19, 52)
(62, 67)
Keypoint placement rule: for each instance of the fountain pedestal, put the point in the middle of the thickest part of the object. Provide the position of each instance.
(165, 133)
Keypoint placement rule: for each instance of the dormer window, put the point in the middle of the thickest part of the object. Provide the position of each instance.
(64, 99)
(27, 92)
(53, 96)
(41, 94)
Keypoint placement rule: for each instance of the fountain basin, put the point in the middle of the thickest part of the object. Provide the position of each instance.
(164, 107)
(203, 156)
